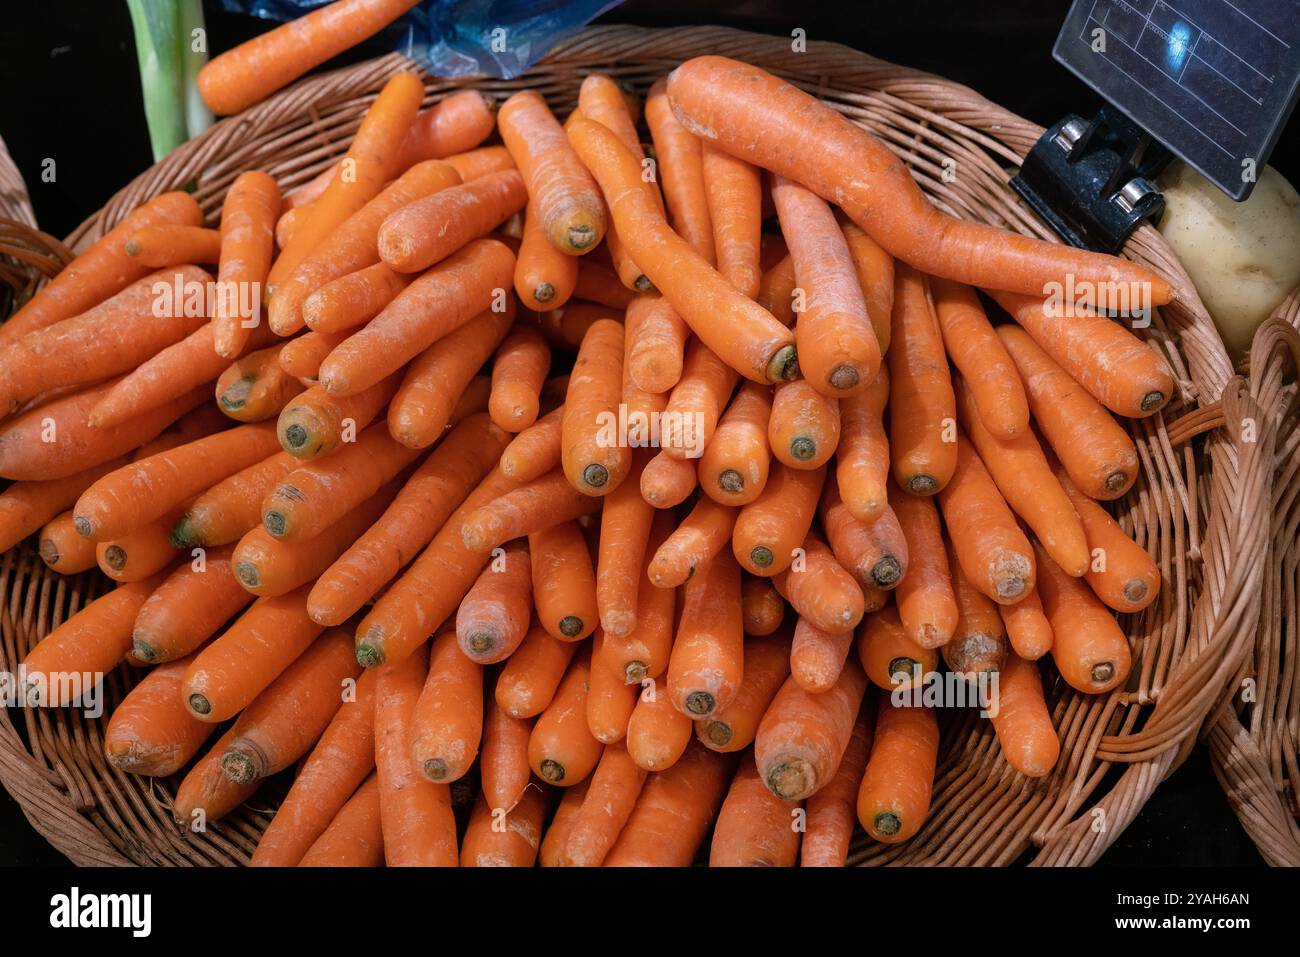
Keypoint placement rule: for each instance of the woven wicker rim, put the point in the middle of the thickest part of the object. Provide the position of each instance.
(1202, 509)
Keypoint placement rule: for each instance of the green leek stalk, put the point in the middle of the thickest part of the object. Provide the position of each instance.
(167, 33)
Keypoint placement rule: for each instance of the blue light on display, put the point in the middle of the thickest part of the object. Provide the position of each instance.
(1179, 45)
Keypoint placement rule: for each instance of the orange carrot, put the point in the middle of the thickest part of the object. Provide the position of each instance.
(255, 386)
(894, 797)
(372, 161)
(187, 608)
(1028, 629)
(510, 840)
(776, 290)
(301, 357)
(643, 651)
(742, 333)
(735, 201)
(755, 828)
(657, 343)
(454, 125)
(166, 245)
(771, 527)
(248, 218)
(761, 607)
(69, 661)
(702, 535)
(598, 284)
(803, 736)
(625, 522)
(141, 552)
(832, 811)
(611, 796)
(206, 794)
(518, 373)
(838, 351)
(545, 278)
(355, 835)
(113, 337)
(696, 402)
(556, 837)
(1089, 648)
(707, 663)
(235, 668)
(767, 666)
(294, 216)
(283, 722)
(734, 467)
(1121, 572)
(471, 164)
(820, 590)
(427, 230)
(503, 763)
(862, 455)
(922, 408)
(150, 732)
(528, 681)
(233, 506)
(875, 271)
(493, 617)
(145, 490)
(447, 723)
(100, 271)
(657, 733)
(667, 481)
(673, 812)
(561, 750)
(993, 551)
(418, 826)
(316, 423)
(341, 760)
(979, 644)
(565, 327)
(804, 428)
(681, 172)
(817, 655)
(451, 294)
(594, 461)
(610, 700)
(343, 304)
(766, 121)
(994, 384)
(1115, 366)
(890, 658)
(426, 501)
(63, 549)
(1024, 727)
(564, 584)
(1096, 452)
(26, 506)
(568, 204)
(874, 553)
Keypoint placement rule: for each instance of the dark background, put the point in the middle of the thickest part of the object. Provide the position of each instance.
(70, 91)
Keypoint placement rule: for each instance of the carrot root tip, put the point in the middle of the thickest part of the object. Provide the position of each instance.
(634, 672)
(1116, 481)
(731, 481)
(115, 557)
(886, 572)
(886, 823)
(1135, 589)
(199, 704)
(844, 378)
(792, 779)
(570, 626)
(276, 524)
(922, 485)
(246, 572)
(700, 703)
(435, 769)
(83, 526)
(761, 556)
(595, 475)
(783, 366)
(1152, 401)
(551, 770)
(718, 732)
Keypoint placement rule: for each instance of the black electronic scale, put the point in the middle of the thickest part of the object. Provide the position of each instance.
(1209, 81)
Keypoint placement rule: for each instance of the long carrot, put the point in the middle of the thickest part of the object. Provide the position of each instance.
(993, 551)
(113, 337)
(159, 247)
(301, 356)
(564, 583)
(342, 759)
(625, 523)
(187, 608)
(252, 71)
(102, 270)
(696, 402)
(1121, 572)
(141, 552)
(511, 840)
(832, 811)
(742, 333)
(672, 815)
(236, 667)
(418, 826)
(248, 218)
(734, 192)
(316, 422)
(776, 289)
(765, 120)
(493, 617)
(925, 597)
(595, 458)
(473, 163)
(518, 373)
(565, 327)
(610, 699)
(150, 732)
(657, 733)
(894, 797)
(143, 491)
(427, 230)
(599, 284)
(1024, 727)
(804, 428)
(1028, 629)
(528, 681)
(350, 301)
(979, 643)
(862, 455)
(446, 297)
(820, 590)
(26, 506)
(1089, 648)
(922, 408)
(975, 349)
(771, 527)
(1095, 450)
(561, 750)
(434, 491)
(656, 343)
(557, 831)
(755, 828)
(528, 508)
(227, 510)
(568, 204)
(643, 651)
(503, 763)
(62, 549)
(707, 662)
(761, 606)
(355, 835)
(285, 720)
(838, 351)
(611, 796)
(875, 553)
(206, 794)
(255, 386)
(875, 270)
(817, 654)
(1114, 365)
(767, 666)
(734, 467)
(888, 654)
(452, 128)
(703, 534)
(371, 162)
(447, 724)
(680, 171)
(72, 658)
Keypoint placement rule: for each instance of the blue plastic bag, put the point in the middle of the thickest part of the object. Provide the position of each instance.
(499, 38)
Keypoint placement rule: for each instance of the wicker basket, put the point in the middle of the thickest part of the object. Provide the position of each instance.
(1202, 508)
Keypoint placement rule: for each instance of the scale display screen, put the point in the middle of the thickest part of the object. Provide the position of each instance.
(1213, 80)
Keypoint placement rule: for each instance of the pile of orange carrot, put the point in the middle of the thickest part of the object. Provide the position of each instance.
(582, 498)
